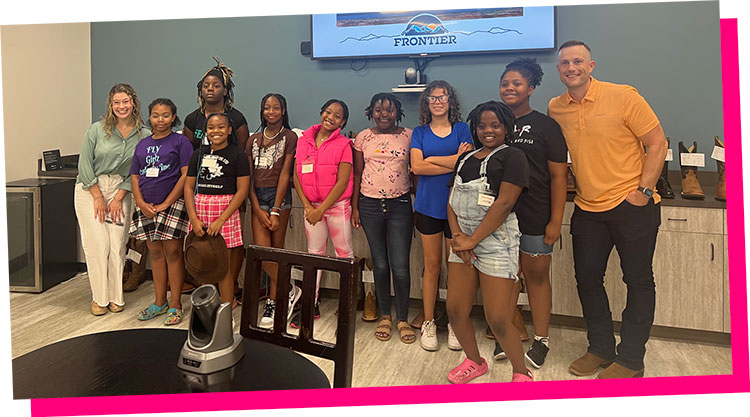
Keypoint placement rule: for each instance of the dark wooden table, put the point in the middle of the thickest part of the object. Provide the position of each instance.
(144, 361)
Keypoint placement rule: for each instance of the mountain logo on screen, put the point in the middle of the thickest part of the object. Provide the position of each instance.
(427, 29)
(424, 24)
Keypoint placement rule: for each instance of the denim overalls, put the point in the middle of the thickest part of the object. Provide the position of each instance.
(497, 254)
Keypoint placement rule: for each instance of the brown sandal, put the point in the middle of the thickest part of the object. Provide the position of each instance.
(383, 331)
(406, 333)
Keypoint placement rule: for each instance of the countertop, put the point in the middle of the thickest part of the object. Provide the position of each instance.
(708, 181)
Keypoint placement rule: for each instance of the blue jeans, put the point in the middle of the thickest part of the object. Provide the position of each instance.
(388, 224)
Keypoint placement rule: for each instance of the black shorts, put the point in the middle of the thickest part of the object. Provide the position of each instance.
(429, 225)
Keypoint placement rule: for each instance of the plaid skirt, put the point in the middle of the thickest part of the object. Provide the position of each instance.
(209, 208)
(166, 225)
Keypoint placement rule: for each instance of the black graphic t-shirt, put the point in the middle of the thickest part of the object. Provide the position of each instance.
(219, 170)
(506, 165)
(196, 122)
(542, 140)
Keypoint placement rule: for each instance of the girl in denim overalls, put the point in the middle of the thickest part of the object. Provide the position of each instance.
(484, 252)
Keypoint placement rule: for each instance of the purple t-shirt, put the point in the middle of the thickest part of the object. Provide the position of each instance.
(168, 154)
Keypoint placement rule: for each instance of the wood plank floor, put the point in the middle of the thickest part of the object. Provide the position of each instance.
(63, 312)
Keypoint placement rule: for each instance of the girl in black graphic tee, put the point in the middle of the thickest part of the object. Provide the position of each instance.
(540, 210)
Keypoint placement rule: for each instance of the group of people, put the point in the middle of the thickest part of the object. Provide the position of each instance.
(488, 195)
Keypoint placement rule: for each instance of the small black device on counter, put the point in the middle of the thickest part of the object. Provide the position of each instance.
(68, 166)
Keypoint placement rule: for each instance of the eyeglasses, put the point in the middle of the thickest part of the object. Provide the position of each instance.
(437, 99)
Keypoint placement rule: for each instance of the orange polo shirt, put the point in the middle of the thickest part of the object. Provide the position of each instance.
(602, 135)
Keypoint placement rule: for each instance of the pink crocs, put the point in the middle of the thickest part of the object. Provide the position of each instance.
(467, 371)
(522, 377)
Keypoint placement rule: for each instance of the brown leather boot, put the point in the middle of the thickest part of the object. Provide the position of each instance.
(587, 365)
(135, 272)
(663, 187)
(721, 187)
(617, 371)
(370, 312)
(691, 188)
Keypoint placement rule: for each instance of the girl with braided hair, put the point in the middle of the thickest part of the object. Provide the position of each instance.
(484, 250)
(381, 205)
(215, 95)
(271, 155)
(540, 210)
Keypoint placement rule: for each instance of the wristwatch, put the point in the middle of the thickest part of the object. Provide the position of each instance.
(646, 191)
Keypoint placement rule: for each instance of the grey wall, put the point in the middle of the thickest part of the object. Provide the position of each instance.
(669, 51)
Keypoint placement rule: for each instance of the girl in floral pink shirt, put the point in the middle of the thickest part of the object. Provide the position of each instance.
(381, 204)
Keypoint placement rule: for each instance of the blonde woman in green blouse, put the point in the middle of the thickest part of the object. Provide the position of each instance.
(102, 195)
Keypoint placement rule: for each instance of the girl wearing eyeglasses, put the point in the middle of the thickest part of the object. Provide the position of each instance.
(435, 147)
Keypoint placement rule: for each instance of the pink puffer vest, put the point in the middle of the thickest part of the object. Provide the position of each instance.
(325, 160)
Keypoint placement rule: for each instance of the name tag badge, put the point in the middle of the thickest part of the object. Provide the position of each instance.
(209, 161)
(152, 172)
(307, 168)
(485, 200)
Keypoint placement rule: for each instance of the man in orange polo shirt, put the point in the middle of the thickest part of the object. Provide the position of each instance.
(606, 126)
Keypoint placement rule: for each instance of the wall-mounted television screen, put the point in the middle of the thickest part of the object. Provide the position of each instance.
(432, 32)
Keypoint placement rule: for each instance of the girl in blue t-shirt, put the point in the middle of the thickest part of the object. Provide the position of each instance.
(435, 146)
(160, 164)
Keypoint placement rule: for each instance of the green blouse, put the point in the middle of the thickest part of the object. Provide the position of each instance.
(102, 154)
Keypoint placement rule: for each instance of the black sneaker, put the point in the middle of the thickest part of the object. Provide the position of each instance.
(499, 353)
(537, 353)
(298, 315)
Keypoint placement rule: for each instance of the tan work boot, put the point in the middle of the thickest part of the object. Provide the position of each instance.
(587, 365)
(691, 188)
(721, 187)
(616, 371)
(370, 312)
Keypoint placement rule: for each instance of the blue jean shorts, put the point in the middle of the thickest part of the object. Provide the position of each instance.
(534, 245)
(267, 198)
(497, 254)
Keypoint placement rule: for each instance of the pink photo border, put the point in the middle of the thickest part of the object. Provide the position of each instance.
(738, 381)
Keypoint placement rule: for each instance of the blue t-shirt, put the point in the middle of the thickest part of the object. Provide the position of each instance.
(169, 154)
(432, 190)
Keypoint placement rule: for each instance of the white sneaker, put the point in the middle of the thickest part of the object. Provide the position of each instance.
(266, 321)
(428, 338)
(294, 295)
(453, 343)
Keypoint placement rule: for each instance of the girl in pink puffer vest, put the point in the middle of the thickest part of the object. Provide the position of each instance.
(323, 180)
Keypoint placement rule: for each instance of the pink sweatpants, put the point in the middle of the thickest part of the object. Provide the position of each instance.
(336, 222)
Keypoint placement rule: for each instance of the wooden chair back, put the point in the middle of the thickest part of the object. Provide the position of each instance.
(342, 352)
